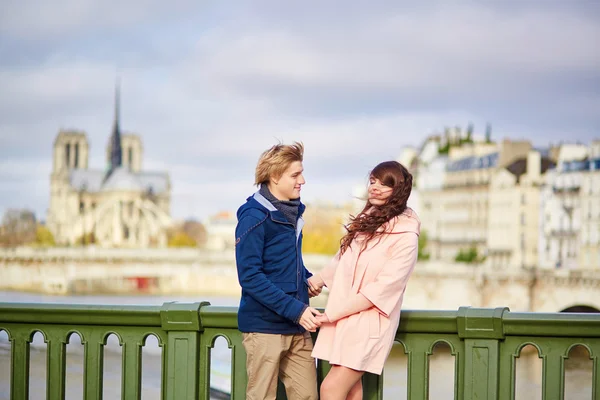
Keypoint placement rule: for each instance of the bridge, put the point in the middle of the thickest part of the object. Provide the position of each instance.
(199, 272)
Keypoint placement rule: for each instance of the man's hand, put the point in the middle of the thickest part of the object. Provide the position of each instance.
(309, 320)
(315, 285)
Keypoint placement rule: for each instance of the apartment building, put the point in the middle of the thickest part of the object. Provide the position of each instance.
(514, 201)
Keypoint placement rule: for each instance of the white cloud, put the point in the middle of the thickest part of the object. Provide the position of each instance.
(209, 86)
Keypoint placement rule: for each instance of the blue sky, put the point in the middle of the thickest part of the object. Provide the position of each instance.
(209, 85)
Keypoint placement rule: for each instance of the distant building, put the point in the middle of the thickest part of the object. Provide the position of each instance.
(120, 206)
(570, 231)
(220, 231)
(514, 218)
(464, 204)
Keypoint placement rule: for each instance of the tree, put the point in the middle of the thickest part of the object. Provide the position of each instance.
(181, 239)
(87, 239)
(18, 227)
(322, 238)
(43, 237)
(470, 132)
(196, 231)
(469, 256)
(423, 255)
(488, 133)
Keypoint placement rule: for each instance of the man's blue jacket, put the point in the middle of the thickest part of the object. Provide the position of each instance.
(270, 268)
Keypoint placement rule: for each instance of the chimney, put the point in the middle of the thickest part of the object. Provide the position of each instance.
(534, 166)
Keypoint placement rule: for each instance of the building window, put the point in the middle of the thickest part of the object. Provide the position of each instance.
(81, 207)
(130, 156)
(126, 232)
(76, 163)
(522, 218)
(68, 155)
(523, 199)
(522, 241)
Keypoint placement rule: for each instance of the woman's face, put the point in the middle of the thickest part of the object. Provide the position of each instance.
(378, 192)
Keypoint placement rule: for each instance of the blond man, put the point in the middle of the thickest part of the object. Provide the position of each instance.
(274, 313)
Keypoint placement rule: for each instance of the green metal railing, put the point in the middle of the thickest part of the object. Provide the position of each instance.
(484, 342)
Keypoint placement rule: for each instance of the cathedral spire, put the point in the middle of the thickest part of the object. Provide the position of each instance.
(116, 152)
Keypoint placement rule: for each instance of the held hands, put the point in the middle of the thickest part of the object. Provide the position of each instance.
(315, 285)
(310, 319)
(323, 319)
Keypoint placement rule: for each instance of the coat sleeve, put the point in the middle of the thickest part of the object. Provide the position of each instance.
(250, 234)
(328, 272)
(353, 304)
(388, 286)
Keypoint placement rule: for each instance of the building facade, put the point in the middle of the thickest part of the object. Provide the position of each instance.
(514, 217)
(119, 206)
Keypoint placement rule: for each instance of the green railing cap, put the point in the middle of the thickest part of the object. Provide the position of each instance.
(176, 316)
(480, 323)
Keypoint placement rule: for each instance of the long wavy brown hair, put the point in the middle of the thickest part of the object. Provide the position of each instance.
(371, 218)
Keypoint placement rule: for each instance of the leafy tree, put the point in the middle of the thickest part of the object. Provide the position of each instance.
(43, 237)
(423, 238)
(181, 239)
(322, 238)
(87, 239)
(488, 133)
(470, 132)
(469, 256)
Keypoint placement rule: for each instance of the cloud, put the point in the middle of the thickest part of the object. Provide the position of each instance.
(209, 86)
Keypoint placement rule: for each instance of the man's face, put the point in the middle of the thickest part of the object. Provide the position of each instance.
(288, 186)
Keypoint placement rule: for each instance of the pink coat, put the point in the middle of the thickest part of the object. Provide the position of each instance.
(363, 341)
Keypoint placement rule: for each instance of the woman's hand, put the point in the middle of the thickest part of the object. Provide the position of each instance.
(315, 285)
(323, 319)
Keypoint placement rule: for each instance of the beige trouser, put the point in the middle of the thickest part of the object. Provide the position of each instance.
(288, 357)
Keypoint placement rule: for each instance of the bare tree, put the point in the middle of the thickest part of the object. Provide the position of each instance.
(18, 227)
(196, 231)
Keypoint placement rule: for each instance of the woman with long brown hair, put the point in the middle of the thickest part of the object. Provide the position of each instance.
(366, 280)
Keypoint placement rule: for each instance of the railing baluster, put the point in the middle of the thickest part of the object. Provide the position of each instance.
(238, 366)
(132, 368)
(204, 366)
(507, 379)
(94, 363)
(553, 373)
(596, 376)
(19, 373)
(373, 387)
(418, 371)
(56, 359)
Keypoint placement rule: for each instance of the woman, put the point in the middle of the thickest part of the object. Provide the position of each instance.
(367, 280)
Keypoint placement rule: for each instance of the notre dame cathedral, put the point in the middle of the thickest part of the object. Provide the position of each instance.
(120, 206)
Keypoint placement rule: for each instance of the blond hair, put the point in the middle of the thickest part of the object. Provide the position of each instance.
(274, 161)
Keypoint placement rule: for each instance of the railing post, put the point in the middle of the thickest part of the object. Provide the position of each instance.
(180, 371)
(481, 329)
(19, 373)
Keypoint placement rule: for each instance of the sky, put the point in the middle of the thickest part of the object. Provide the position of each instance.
(209, 85)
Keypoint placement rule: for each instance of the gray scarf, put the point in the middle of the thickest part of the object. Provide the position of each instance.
(287, 208)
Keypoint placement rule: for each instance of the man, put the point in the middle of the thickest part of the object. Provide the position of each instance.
(274, 314)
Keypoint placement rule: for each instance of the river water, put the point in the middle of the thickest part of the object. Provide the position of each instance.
(578, 374)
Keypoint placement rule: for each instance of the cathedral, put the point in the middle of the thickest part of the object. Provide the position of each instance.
(120, 206)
